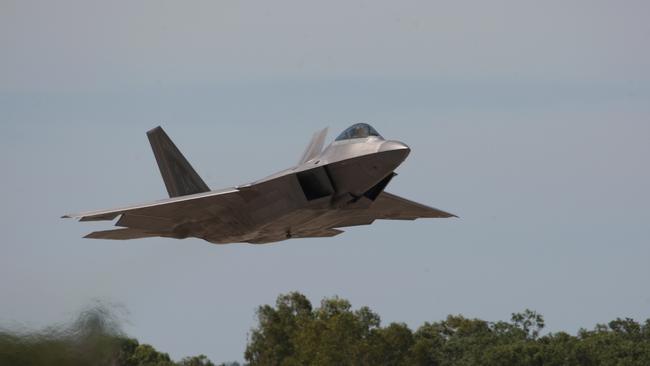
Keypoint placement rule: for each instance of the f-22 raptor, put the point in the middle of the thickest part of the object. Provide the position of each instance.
(339, 186)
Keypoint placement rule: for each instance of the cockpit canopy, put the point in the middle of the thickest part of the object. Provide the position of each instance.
(358, 131)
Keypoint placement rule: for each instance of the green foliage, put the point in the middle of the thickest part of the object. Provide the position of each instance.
(293, 333)
(529, 322)
(146, 355)
(200, 360)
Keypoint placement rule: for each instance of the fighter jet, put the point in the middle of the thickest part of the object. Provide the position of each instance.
(339, 186)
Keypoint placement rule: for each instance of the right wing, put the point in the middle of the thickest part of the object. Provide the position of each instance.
(392, 207)
(388, 206)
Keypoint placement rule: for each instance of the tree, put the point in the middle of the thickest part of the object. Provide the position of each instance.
(292, 333)
(530, 322)
(272, 342)
(146, 355)
(200, 360)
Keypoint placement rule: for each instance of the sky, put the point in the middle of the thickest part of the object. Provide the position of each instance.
(529, 120)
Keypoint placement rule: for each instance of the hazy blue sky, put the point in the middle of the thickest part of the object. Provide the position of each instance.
(530, 120)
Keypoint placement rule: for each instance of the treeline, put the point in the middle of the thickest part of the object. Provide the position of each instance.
(295, 333)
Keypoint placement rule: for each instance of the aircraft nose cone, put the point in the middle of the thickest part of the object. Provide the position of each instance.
(394, 146)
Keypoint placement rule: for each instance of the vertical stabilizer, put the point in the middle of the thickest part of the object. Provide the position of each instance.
(315, 146)
(179, 176)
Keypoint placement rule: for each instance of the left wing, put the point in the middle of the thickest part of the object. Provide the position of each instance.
(164, 217)
(195, 206)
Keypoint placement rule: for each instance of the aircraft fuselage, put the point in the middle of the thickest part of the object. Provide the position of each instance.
(339, 186)
(338, 179)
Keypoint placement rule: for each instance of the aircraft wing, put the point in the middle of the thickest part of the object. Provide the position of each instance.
(388, 206)
(164, 214)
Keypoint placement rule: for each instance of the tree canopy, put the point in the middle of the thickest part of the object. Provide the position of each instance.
(294, 333)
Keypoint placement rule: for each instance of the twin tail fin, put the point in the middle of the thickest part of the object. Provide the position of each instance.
(177, 173)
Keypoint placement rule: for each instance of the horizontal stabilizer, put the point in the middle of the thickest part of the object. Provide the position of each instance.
(121, 234)
(179, 176)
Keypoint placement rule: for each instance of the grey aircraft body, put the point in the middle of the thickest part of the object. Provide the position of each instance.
(339, 186)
